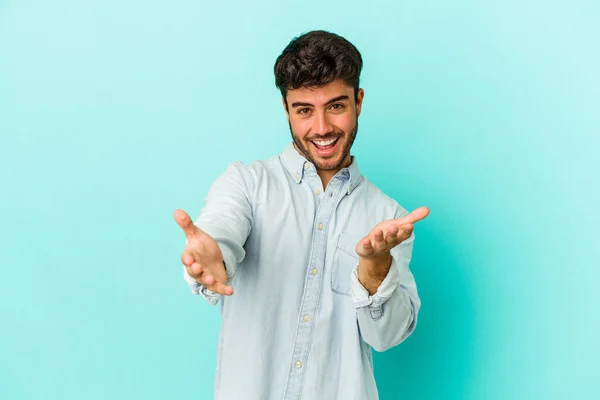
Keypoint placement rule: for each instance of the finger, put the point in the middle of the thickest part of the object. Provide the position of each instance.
(218, 287)
(391, 235)
(185, 222)
(208, 279)
(187, 258)
(195, 270)
(378, 241)
(367, 247)
(404, 231)
(416, 215)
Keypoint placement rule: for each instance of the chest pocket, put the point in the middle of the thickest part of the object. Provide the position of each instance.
(344, 260)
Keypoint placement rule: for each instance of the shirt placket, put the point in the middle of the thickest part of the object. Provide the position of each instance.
(327, 203)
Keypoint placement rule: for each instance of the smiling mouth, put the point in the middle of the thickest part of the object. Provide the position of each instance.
(325, 147)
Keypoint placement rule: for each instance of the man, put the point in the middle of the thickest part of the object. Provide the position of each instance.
(309, 259)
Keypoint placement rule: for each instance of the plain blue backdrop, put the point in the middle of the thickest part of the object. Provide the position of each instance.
(115, 113)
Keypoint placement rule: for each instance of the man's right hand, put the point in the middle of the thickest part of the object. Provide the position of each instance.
(202, 256)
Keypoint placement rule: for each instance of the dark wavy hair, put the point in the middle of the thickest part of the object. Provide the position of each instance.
(316, 59)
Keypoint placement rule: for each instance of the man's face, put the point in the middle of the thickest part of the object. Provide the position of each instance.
(323, 122)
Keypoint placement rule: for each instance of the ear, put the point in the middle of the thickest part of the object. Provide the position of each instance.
(360, 95)
(285, 107)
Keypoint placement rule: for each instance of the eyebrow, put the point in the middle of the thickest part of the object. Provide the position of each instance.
(300, 104)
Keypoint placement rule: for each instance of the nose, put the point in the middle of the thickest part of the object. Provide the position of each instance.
(321, 124)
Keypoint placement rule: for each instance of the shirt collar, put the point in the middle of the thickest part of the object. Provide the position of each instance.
(297, 163)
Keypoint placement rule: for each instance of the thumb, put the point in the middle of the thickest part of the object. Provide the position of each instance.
(185, 222)
(417, 215)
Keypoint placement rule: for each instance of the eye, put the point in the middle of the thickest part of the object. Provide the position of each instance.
(304, 111)
(337, 106)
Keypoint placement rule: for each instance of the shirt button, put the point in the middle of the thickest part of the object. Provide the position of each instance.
(306, 165)
(314, 271)
(306, 318)
(331, 194)
(298, 364)
(317, 191)
(320, 227)
(350, 187)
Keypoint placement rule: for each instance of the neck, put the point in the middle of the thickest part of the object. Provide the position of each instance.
(326, 176)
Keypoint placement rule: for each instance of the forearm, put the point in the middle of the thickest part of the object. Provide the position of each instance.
(372, 272)
(387, 308)
(387, 321)
(227, 219)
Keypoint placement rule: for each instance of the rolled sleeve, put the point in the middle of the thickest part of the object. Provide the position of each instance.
(388, 316)
(196, 288)
(361, 297)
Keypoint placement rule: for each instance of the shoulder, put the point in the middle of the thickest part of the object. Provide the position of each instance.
(376, 197)
(264, 166)
(259, 170)
(254, 171)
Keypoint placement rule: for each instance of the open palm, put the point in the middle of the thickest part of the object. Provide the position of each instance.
(202, 256)
(388, 234)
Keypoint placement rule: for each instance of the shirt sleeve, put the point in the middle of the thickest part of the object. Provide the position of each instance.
(389, 316)
(227, 218)
(361, 295)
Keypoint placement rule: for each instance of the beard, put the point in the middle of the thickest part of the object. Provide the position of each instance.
(330, 164)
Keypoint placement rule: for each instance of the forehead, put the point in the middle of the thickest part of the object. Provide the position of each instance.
(320, 95)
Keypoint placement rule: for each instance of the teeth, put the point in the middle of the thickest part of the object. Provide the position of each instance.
(324, 142)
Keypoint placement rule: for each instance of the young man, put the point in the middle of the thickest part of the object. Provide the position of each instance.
(309, 259)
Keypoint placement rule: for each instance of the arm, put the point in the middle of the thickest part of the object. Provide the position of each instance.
(383, 288)
(227, 218)
(389, 315)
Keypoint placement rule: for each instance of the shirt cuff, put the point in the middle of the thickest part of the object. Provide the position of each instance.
(360, 295)
(196, 288)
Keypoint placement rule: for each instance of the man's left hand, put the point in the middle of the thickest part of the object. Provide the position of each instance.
(374, 249)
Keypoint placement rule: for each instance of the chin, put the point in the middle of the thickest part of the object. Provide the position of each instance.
(328, 163)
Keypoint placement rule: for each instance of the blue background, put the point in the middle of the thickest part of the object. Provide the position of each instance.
(113, 114)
